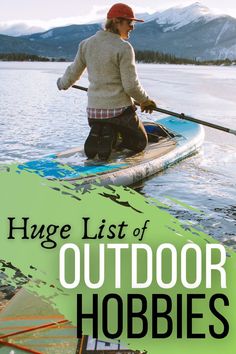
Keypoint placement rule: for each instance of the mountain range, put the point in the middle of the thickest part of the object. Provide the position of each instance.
(192, 31)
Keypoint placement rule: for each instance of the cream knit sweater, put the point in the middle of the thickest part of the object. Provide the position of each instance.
(110, 63)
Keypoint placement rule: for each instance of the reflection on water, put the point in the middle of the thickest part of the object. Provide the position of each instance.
(37, 119)
(204, 182)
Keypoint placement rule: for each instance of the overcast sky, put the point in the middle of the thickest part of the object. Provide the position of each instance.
(81, 11)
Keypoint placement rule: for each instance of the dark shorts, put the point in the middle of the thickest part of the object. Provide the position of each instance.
(129, 126)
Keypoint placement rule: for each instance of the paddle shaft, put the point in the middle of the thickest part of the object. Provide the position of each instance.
(179, 115)
(195, 120)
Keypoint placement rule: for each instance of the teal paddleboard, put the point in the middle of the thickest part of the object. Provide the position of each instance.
(125, 167)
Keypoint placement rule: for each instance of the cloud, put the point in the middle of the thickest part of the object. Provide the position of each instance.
(19, 28)
(97, 14)
(24, 27)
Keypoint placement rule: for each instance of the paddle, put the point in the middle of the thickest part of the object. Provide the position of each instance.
(180, 115)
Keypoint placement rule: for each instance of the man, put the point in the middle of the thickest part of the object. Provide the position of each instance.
(113, 84)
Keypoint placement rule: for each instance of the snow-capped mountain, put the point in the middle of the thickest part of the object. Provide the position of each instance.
(177, 17)
(192, 31)
(173, 18)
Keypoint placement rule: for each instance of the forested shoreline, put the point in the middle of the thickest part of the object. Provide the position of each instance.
(146, 56)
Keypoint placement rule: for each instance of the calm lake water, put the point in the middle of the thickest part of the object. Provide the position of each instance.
(36, 119)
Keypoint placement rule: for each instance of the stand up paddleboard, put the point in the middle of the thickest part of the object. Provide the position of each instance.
(124, 167)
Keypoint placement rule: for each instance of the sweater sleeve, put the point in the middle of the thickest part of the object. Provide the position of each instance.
(129, 76)
(73, 71)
